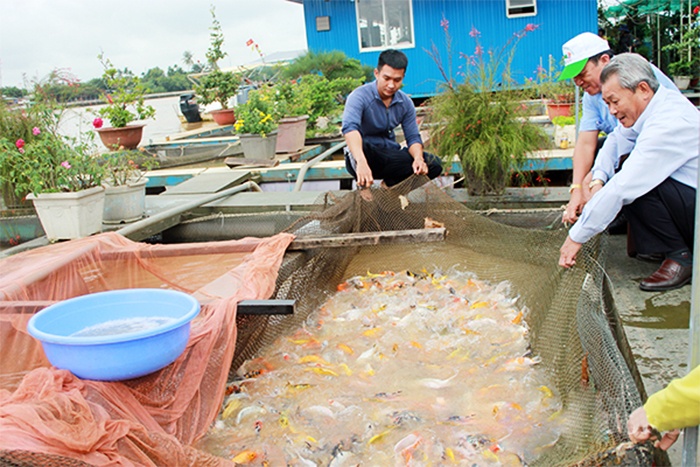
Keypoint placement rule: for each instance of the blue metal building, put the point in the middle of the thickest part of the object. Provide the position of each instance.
(363, 28)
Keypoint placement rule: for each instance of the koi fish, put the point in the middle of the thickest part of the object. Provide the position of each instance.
(518, 318)
(449, 455)
(298, 387)
(313, 359)
(253, 409)
(407, 445)
(370, 332)
(434, 383)
(322, 371)
(245, 457)
(346, 348)
(478, 305)
(547, 392)
(379, 437)
(230, 408)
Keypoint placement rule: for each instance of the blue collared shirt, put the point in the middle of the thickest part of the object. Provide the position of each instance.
(664, 142)
(365, 112)
(596, 116)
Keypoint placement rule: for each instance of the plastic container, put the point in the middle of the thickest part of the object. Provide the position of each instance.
(134, 332)
(190, 108)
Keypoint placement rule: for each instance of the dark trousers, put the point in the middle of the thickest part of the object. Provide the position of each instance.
(392, 165)
(663, 220)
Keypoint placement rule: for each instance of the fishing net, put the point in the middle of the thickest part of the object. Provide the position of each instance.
(158, 419)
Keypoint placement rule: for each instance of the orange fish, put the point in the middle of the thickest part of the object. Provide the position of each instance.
(245, 457)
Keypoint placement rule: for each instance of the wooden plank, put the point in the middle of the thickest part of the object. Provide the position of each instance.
(369, 238)
(266, 307)
(239, 161)
(209, 182)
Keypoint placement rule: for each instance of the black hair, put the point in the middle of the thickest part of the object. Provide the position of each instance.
(596, 58)
(394, 58)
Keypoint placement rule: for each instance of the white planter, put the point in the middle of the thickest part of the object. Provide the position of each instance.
(125, 203)
(257, 147)
(681, 82)
(65, 216)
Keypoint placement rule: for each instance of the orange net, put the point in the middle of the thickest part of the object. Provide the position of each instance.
(151, 420)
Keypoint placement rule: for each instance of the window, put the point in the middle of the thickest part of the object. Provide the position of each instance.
(384, 23)
(515, 8)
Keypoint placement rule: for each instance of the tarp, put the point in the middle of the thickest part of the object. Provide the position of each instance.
(152, 420)
(646, 7)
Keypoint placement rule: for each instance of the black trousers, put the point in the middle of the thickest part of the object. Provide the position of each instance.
(663, 220)
(392, 165)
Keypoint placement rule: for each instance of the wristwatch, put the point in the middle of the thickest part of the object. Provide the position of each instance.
(595, 182)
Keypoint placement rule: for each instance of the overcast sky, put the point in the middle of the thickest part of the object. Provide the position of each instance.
(37, 36)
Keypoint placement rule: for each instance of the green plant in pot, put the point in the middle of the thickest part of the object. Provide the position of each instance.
(125, 185)
(256, 123)
(217, 85)
(124, 104)
(480, 126)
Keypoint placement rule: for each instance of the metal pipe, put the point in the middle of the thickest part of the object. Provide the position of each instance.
(142, 224)
(690, 436)
(314, 161)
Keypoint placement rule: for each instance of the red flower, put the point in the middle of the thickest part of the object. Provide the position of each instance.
(531, 27)
(109, 99)
(696, 10)
(97, 122)
(19, 143)
(249, 42)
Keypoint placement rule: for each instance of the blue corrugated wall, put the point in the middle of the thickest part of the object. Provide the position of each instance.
(557, 21)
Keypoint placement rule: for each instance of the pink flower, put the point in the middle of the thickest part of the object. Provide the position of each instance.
(109, 99)
(478, 51)
(19, 143)
(65, 164)
(36, 131)
(21, 150)
(97, 122)
(531, 27)
(444, 24)
(474, 32)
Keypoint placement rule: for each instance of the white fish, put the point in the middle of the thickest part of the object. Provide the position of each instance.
(253, 409)
(434, 383)
(319, 410)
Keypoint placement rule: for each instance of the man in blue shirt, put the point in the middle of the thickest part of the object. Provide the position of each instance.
(372, 112)
(585, 56)
(656, 186)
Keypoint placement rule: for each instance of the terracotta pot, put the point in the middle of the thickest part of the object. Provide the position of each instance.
(127, 137)
(291, 134)
(564, 109)
(223, 116)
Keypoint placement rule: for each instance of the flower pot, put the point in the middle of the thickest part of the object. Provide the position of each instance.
(127, 137)
(125, 203)
(223, 116)
(65, 216)
(682, 82)
(257, 147)
(291, 134)
(564, 109)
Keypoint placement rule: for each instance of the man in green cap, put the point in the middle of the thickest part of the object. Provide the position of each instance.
(585, 56)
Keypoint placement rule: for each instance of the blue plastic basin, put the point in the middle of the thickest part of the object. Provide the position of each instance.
(161, 317)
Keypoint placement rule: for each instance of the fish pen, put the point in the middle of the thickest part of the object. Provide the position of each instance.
(564, 323)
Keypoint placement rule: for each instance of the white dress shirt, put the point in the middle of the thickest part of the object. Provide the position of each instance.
(663, 142)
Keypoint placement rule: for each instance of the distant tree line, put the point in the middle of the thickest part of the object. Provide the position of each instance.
(155, 80)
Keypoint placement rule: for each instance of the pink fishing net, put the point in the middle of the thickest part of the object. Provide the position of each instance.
(152, 420)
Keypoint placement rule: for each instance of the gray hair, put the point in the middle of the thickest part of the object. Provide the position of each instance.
(631, 69)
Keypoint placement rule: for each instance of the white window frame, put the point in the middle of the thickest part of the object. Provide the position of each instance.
(510, 7)
(410, 45)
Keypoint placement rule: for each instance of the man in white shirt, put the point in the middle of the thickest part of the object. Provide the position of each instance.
(585, 56)
(655, 188)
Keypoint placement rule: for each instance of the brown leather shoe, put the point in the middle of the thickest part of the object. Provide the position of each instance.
(670, 275)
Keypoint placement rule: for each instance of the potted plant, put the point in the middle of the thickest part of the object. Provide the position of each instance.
(256, 123)
(481, 120)
(63, 178)
(124, 104)
(217, 85)
(558, 96)
(125, 185)
(16, 125)
(682, 72)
